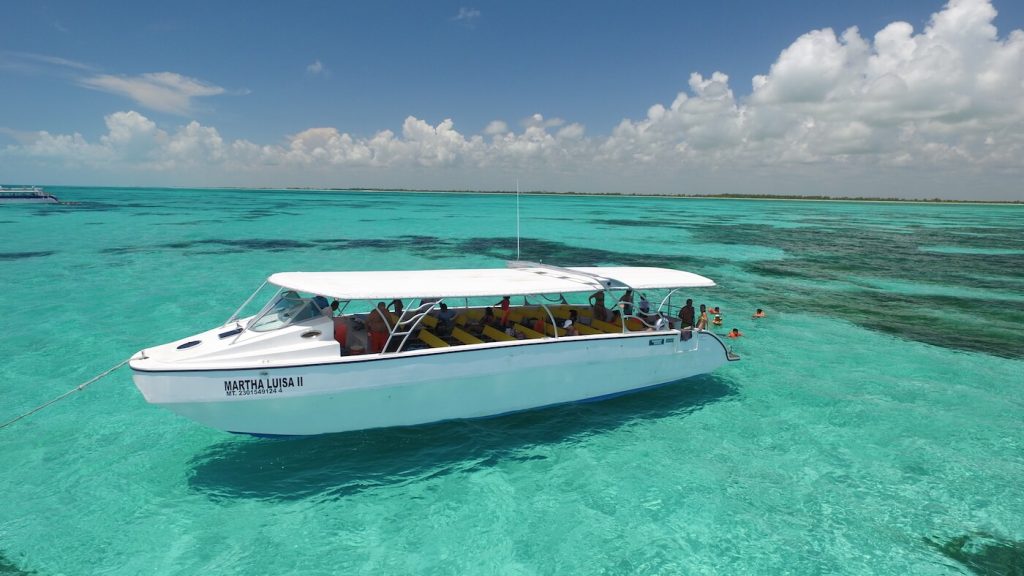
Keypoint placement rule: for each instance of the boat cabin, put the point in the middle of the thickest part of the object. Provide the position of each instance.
(392, 312)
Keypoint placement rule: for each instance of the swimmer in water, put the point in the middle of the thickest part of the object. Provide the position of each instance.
(735, 333)
(759, 313)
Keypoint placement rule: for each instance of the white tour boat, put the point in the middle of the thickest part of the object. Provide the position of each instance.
(298, 368)
(26, 195)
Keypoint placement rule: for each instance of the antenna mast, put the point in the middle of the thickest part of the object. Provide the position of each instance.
(517, 218)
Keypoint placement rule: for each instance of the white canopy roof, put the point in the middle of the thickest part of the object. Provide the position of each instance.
(517, 281)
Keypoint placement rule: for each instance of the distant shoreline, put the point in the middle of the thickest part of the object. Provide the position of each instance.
(764, 197)
(786, 197)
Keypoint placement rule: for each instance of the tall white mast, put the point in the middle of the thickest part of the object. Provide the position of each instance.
(517, 218)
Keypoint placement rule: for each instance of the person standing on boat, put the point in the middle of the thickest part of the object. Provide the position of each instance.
(686, 314)
(702, 322)
(506, 309)
(377, 327)
(445, 320)
(597, 303)
(626, 302)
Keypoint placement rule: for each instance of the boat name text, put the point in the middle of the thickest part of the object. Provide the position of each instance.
(257, 386)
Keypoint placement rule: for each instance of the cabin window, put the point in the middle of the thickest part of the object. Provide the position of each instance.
(289, 308)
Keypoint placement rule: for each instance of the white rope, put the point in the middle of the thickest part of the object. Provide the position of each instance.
(64, 395)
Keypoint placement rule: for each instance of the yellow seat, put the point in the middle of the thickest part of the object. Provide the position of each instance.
(527, 332)
(584, 329)
(432, 340)
(552, 330)
(562, 310)
(429, 321)
(514, 314)
(605, 326)
(465, 337)
(496, 335)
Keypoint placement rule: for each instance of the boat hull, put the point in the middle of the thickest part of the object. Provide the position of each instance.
(356, 393)
(29, 200)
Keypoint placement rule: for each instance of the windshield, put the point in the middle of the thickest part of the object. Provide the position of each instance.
(289, 308)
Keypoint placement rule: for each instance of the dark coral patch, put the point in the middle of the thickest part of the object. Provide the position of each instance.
(24, 255)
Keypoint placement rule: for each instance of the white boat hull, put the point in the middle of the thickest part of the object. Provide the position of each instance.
(362, 392)
(29, 200)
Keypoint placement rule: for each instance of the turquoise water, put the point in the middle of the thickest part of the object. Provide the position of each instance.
(874, 426)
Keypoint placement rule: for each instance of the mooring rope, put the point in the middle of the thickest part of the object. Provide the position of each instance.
(64, 395)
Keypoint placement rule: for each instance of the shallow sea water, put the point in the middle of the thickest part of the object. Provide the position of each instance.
(874, 426)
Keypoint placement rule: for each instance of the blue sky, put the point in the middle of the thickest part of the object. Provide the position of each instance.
(559, 94)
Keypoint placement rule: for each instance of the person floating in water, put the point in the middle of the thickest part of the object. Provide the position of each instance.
(717, 321)
(735, 333)
(759, 313)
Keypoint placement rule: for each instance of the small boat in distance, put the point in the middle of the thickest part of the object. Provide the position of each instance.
(302, 366)
(26, 195)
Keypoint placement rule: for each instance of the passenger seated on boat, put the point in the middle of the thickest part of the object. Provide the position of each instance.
(334, 307)
(537, 324)
(378, 328)
(570, 324)
(616, 317)
(488, 319)
(341, 333)
(445, 320)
